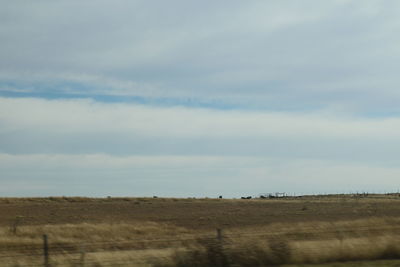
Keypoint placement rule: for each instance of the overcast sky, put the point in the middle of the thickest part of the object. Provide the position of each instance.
(199, 98)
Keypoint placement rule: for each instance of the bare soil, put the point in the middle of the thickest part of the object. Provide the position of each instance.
(196, 213)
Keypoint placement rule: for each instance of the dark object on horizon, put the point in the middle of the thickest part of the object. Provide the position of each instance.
(155, 196)
(220, 197)
(249, 197)
(273, 195)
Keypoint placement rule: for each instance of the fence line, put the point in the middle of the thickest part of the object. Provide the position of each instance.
(58, 246)
(47, 249)
(76, 248)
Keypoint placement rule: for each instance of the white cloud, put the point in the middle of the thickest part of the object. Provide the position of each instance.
(32, 126)
(294, 73)
(85, 116)
(101, 175)
(302, 56)
(82, 147)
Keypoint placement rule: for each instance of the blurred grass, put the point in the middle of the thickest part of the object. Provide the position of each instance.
(372, 241)
(166, 245)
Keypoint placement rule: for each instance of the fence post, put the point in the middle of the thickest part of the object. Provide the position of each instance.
(82, 259)
(219, 234)
(46, 251)
(220, 257)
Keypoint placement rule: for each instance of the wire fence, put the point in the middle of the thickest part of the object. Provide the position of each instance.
(48, 253)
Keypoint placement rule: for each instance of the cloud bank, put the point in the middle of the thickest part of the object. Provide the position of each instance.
(131, 149)
(278, 56)
(198, 98)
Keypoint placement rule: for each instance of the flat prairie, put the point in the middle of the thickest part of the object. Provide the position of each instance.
(192, 213)
(356, 230)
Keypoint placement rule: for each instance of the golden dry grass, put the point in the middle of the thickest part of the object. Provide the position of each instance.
(315, 242)
(155, 244)
(102, 244)
(181, 232)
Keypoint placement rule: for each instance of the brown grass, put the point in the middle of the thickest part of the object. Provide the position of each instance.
(154, 244)
(195, 213)
(302, 243)
(294, 235)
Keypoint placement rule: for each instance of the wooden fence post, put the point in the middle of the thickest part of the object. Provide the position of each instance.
(82, 259)
(220, 257)
(46, 251)
(219, 234)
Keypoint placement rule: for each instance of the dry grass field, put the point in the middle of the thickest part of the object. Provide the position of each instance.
(319, 230)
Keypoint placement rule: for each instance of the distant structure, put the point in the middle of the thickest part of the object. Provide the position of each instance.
(273, 195)
(277, 194)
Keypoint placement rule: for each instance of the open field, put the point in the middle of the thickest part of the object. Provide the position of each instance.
(196, 213)
(182, 232)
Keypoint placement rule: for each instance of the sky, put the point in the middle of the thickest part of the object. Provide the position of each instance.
(187, 98)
